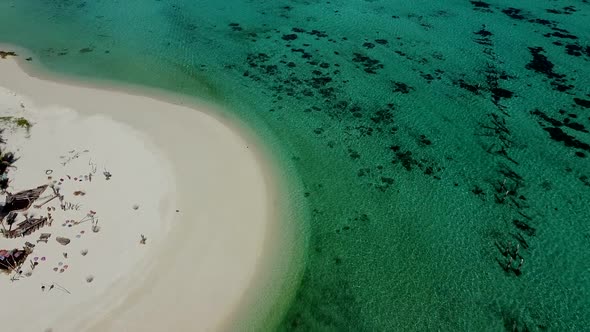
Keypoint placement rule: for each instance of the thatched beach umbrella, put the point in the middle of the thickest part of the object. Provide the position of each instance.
(21, 201)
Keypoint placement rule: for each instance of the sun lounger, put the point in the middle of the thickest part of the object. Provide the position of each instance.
(44, 237)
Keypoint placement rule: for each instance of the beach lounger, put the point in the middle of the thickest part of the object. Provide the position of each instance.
(44, 237)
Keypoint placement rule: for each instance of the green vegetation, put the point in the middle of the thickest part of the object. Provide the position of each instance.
(23, 123)
(12, 121)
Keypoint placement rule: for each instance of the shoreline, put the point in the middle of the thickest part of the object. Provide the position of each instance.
(61, 143)
(284, 279)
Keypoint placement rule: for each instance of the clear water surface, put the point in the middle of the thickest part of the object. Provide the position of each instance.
(432, 138)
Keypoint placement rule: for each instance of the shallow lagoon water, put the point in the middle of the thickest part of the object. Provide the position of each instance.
(429, 137)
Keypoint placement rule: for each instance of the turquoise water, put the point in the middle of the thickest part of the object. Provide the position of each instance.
(429, 137)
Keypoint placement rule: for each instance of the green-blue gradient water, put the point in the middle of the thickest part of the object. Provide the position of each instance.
(439, 142)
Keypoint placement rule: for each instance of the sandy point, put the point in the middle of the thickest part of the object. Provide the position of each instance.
(191, 185)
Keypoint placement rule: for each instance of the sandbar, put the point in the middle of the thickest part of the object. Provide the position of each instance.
(196, 188)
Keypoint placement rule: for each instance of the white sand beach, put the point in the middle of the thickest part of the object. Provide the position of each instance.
(131, 165)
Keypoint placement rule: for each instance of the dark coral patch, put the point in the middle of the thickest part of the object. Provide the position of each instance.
(371, 65)
(480, 4)
(484, 33)
(402, 87)
(424, 141)
(289, 37)
(575, 50)
(405, 158)
(513, 13)
(501, 93)
(565, 10)
(523, 226)
(559, 135)
(235, 27)
(560, 35)
(582, 102)
(466, 86)
(556, 123)
(540, 62)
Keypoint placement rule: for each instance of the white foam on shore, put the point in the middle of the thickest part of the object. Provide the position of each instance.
(198, 262)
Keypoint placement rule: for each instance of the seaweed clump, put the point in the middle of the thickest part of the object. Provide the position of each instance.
(541, 64)
(4, 54)
(18, 122)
